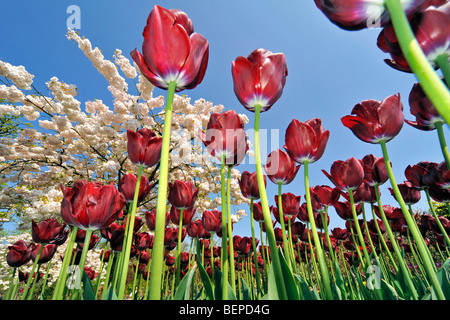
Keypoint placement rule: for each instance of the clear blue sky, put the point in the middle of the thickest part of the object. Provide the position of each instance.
(330, 70)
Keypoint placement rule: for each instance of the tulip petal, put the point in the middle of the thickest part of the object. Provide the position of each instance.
(195, 67)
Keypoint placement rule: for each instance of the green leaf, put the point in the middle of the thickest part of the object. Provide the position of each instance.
(340, 282)
(443, 276)
(272, 293)
(183, 289)
(305, 289)
(88, 292)
(245, 290)
(218, 286)
(387, 291)
(110, 294)
(204, 275)
(289, 282)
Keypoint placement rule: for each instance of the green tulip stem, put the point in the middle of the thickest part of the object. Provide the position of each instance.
(158, 242)
(224, 253)
(87, 240)
(178, 258)
(421, 247)
(320, 254)
(443, 143)
(444, 65)
(11, 281)
(438, 222)
(255, 256)
(276, 264)
(283, 227)
(230, 231)
(430, 82)
(32, 272)
(129, 237)
(62, 277)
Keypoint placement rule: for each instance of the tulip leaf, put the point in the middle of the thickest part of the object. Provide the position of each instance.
(88, 289)
(443, 276)
(387, 291)
(245, 290)
(305, 289)
(205, 278)
(218, 286)
(289, 282)
(183, 289)
(110, 294)
(340, 282)
(272, 293)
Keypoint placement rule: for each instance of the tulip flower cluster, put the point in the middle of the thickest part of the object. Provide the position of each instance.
(157, 232)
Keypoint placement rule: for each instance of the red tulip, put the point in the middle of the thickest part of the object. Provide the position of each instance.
(114, 233)
(143, 240)
(249, 185)
(346, 175)
(422, 175)
(360, 14)
(89, 205)
(344, 210)
(150, 219)
(373, 121)
(195, 228)
(364, 193)
(326, 195)
(48, 231)
(391, 213)
(289, 202)
(410, 194)
(422, 108)
(306, 141)
(280, 167)
(144, 147)
(182, 194)
(431, 27)
(259, 79)
(175, 215)
(127, 187)
(47, 252)
(225, 137)
(19, 254)
(212, 220)
(442, 176)
(257, 212)
(375, 172)
(340, 234)
(276, 214)
(172, 51)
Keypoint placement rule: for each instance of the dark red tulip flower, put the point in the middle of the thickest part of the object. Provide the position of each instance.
(276, 214)
(289, 202)
(194, 228)
(212, 220)
(360, 14)
(364, 193)
(150, 219)
(375, 171)
(280, 167)
(320, 219)
(303, 213)
(442, 176)
(143, 240)
(423, 110)
(48, 231)
(410, 194)
(306, 141)
(326, 195)
(172, 51)
(19, 253)
(249, 185)
(423, 174)
(175, 215)
(259, 79)
(92, 242)
(346, 175)
(257, 212)
(340, 234)
(47, 253)
(242, 245)
(182, 194)
(225, 137)
(114, 233)
(344, 209)
(391, 213)
(89, 205)
(374, 121)
(127, 186)
(144, 147)
(431, 27)
(440, 194)
(298, 228)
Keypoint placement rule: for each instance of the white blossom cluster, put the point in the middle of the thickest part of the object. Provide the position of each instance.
(88, 140)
